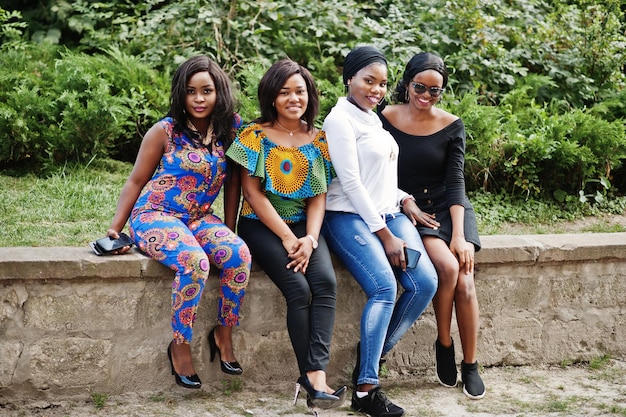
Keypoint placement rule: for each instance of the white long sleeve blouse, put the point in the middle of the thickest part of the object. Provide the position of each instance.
(365, 158)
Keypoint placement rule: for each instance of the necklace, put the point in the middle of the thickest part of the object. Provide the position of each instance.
(206, 138)
(287, 130)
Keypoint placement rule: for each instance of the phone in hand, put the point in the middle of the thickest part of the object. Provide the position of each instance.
(108, 244)
(411, 256)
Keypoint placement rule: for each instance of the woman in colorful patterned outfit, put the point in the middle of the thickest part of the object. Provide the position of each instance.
(285, 171)
(365, 228)
(431, 161)
(177, 175)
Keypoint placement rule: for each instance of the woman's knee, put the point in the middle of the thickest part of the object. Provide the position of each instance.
(448, 274)
(297, 293)
(325, 283)
(465, 288)
(193, 263)
(386, 290)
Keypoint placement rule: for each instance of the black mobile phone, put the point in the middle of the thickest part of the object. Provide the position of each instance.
(411, 256)
(107, 244)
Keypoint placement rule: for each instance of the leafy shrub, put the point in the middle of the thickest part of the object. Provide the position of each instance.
(483, 151)
(538, 83)
(72, 107)
(536, 150)
(11, 29)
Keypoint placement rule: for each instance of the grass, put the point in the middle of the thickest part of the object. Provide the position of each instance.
(75, 205)
(99, 399)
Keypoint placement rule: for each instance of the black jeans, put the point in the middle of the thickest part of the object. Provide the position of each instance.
(310, 297)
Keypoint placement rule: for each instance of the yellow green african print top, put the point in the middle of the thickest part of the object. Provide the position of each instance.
(288, 175)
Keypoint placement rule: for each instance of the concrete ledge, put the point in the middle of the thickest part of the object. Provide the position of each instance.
(71, 321)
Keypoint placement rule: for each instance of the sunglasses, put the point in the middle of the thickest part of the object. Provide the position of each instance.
(421, 89)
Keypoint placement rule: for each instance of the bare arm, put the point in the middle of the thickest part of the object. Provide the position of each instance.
(148, 157)
(394, 247)
(315, 209)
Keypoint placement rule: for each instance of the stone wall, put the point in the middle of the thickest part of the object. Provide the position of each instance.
(72, 322)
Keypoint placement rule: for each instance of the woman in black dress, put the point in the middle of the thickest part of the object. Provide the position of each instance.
(431, 162)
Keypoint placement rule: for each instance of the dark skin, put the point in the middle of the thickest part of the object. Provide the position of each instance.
(199, 103)
(366, 88)
(454, 263)
(290, 131)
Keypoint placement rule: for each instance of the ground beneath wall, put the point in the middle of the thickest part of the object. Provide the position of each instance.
(594, 389)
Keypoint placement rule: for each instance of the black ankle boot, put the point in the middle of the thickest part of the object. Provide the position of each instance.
(445, 364)
(473, 386)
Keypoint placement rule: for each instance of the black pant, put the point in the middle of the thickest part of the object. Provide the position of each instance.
(310, 297)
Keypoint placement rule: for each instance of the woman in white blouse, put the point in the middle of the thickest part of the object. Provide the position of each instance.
(365, 228)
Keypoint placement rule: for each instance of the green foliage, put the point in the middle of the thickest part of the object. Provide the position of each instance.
(538, 83)
(599, 361)
(485, 135)
(11, 29)
(539, 150)
(59, 106)
(99, 400)
(578, 45)
(490, 45)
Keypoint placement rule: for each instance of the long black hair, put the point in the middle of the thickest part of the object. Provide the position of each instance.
(274, 80)
(223, 113)
(420, 62)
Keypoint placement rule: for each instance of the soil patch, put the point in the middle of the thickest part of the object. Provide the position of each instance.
(596, 389)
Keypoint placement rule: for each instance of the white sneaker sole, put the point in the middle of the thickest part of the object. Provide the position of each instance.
(473, 397)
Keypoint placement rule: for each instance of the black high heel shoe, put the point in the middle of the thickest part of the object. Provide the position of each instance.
(190, 381)
(341, 393)
(316, 399)
(232, 368)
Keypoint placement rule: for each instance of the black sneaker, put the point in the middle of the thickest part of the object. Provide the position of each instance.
(445, 364)
(473, 386)
(376, 404)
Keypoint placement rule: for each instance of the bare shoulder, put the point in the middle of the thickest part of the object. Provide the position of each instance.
(445, 118)
(156, 136)
(392, 112)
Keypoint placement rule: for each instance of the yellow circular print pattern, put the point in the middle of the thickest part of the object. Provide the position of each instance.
(287, 168)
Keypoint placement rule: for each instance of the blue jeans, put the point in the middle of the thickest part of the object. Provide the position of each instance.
(384, 320)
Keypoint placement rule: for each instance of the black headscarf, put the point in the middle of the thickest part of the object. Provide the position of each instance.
(425, 61)
(420, 62)
(360, 57)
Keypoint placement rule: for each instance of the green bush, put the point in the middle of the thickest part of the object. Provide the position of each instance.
(538, 83)
(490, 44)
(59, 106)
(538, 150)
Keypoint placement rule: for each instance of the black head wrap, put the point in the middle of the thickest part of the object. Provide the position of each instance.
(420, 62)
(360, 57)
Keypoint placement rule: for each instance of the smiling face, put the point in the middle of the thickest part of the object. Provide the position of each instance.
(292, 99)
(428, 78)
(201, 96)
(369, 85)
